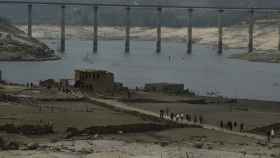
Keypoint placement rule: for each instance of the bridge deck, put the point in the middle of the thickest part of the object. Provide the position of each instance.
(138, 6)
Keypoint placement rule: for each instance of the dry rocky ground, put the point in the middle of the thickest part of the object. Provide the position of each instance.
(197, 143)
(181, 142)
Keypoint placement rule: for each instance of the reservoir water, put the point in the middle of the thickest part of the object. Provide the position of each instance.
(203, 71)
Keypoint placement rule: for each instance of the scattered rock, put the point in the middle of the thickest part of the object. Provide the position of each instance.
(164, 143)
(27, 129)
(86, 151)
(96, 136)
(261, 143)
(222, 143)
(129, 128)
(71, 132)
(8, 145)
(198, 145)
(243, 144)
(32, 146)
(210, 147)
(12, 146)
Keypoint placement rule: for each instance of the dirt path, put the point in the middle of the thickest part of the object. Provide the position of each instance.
(122, 106)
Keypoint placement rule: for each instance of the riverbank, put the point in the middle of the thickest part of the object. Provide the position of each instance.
(15, 45)
(28, 59)
(270, 56)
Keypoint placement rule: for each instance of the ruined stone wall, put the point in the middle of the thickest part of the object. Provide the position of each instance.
(164, 87)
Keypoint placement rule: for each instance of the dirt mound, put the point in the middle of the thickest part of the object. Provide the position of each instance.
(265, 129)
(130, 128)
(27, 129)
(8, 145)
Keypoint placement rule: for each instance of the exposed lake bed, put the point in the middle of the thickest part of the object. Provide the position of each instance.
(193, 141)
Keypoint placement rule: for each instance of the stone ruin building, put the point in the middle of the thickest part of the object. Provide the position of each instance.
(95, 80)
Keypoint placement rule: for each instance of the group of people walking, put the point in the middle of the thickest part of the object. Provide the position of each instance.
(231, 125)
(179, 117)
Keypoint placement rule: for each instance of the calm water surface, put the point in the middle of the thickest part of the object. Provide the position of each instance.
(203, 71)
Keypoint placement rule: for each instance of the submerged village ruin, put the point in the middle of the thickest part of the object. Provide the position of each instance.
(94, 115)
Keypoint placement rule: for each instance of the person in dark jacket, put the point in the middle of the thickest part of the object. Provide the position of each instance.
(200, 119)
(241, 127)
(161, 113)
(172, 116)
(222, 124)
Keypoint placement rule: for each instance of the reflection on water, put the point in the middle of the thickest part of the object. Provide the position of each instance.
(203, 71)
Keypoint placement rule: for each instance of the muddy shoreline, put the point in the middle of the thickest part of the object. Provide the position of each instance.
(268, 56)
(235, 37)
(31, 60)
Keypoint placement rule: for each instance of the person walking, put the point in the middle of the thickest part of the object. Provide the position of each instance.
(172, 116)
(272, 133)
(161, 112)
(190, 117)
(177, 117)
(221, 124)
(200, 119)
(195, 118)
(167, 111)
(234, 124)
(241, 127)
(182, 117)
(229, 124)
(268, 136)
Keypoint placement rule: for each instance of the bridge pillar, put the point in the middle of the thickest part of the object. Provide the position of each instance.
(220, 29)
(279, 36)
(251, 31)
(62, 35)
(158, 45)
(189, 51)
(127, 31)
(95, 29)
(29, 29)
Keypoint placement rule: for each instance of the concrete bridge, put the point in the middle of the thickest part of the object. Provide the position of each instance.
(221, 11)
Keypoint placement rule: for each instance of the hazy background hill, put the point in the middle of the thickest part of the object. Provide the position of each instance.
(142, 17)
